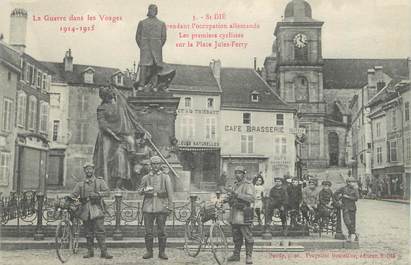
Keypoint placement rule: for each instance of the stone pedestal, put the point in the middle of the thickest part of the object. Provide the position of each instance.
(157, 114)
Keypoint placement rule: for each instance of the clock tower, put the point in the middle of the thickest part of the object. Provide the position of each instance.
(299, 74)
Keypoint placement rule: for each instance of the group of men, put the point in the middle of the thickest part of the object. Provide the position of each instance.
(158, 197)
(314, 204)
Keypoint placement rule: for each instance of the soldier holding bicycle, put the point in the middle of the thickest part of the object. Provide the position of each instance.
(91, 192)
(241, 214)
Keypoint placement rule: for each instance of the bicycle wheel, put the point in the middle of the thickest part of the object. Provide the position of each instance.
(218, 244)
(76, 235)
(64, 241)
(193, 236)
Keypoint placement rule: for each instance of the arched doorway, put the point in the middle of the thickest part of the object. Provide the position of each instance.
(333, 148)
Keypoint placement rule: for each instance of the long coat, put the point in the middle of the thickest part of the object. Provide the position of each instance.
(245, 191)
(150, 37)
(154, 202)
(86, 188)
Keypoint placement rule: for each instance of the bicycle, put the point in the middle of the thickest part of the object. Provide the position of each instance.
(68, 229)
(195, 236)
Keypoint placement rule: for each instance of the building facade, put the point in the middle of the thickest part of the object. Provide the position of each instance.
(75, 98)
(391, 139)
(198, 121)
(9, 78)
(324, 90)
(257, 127)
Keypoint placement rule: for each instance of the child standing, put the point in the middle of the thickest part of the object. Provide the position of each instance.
(259, 194)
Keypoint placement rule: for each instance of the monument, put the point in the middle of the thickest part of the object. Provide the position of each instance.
(133, 129)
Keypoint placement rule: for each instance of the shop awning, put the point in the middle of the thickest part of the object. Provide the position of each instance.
(199, 149)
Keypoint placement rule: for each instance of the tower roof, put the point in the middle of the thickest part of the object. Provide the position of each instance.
(297, 11)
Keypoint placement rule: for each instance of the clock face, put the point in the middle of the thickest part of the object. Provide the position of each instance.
(300, 40)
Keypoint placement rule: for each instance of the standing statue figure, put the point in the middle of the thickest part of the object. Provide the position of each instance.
(118, 125)
(151, 35)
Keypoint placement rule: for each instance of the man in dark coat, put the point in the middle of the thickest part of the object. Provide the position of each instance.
(150, 37)
(278, 200)
(241, 215)
(158, 201)
(348, 196)
(91, 191)
(325, 203)
(295, 198)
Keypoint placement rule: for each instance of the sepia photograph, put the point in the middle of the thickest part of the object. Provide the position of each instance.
(205, 132)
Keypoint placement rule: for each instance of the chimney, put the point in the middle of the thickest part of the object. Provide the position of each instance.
(255, 63)
(409, 68)
(379, 75)
(215, 66)
(68, 61)
(372, 83)
(18, 28)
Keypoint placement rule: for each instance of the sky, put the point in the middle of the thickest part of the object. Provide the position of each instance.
(352, 29)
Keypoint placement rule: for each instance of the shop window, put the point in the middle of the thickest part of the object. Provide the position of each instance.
(378, 129)
(5, 158)
(32, 122)
(280, 119)
(379, 155)
(210, 103)
(247, 144)
(187, 127)
(392, 151)
(7, 114)
(44, 116)
(187, 102)
(21, 108)
(247, 118)
(56, 126)
(211, 128)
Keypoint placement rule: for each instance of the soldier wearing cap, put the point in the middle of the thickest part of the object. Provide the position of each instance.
(241, 214)
(348, 196)
(325, 203)
(91, 191)
(295, 198)
(278, 201)
(158, 198)
(310, 200)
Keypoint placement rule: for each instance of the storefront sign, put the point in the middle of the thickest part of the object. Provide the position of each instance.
(257, 129)
(197, 111)
(199, 144)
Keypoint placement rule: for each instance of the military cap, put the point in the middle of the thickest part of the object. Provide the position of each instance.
(294, 179)
(278, 178)
(88, 164)
(350, 179)
(155, 160)
(326, 182)
(239, 168)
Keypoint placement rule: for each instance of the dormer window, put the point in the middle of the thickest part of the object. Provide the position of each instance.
(88, 75)
(119, 78)
(255, 96)
(210, 103)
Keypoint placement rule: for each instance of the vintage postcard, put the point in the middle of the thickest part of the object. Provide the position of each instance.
(205, 132)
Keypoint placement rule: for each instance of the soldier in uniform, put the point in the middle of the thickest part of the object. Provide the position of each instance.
(241, 215)
(91, 191)
(158, 198)
(349, 195)
(151, 35)
(325, 203)
(278, 201)
(295, 199)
